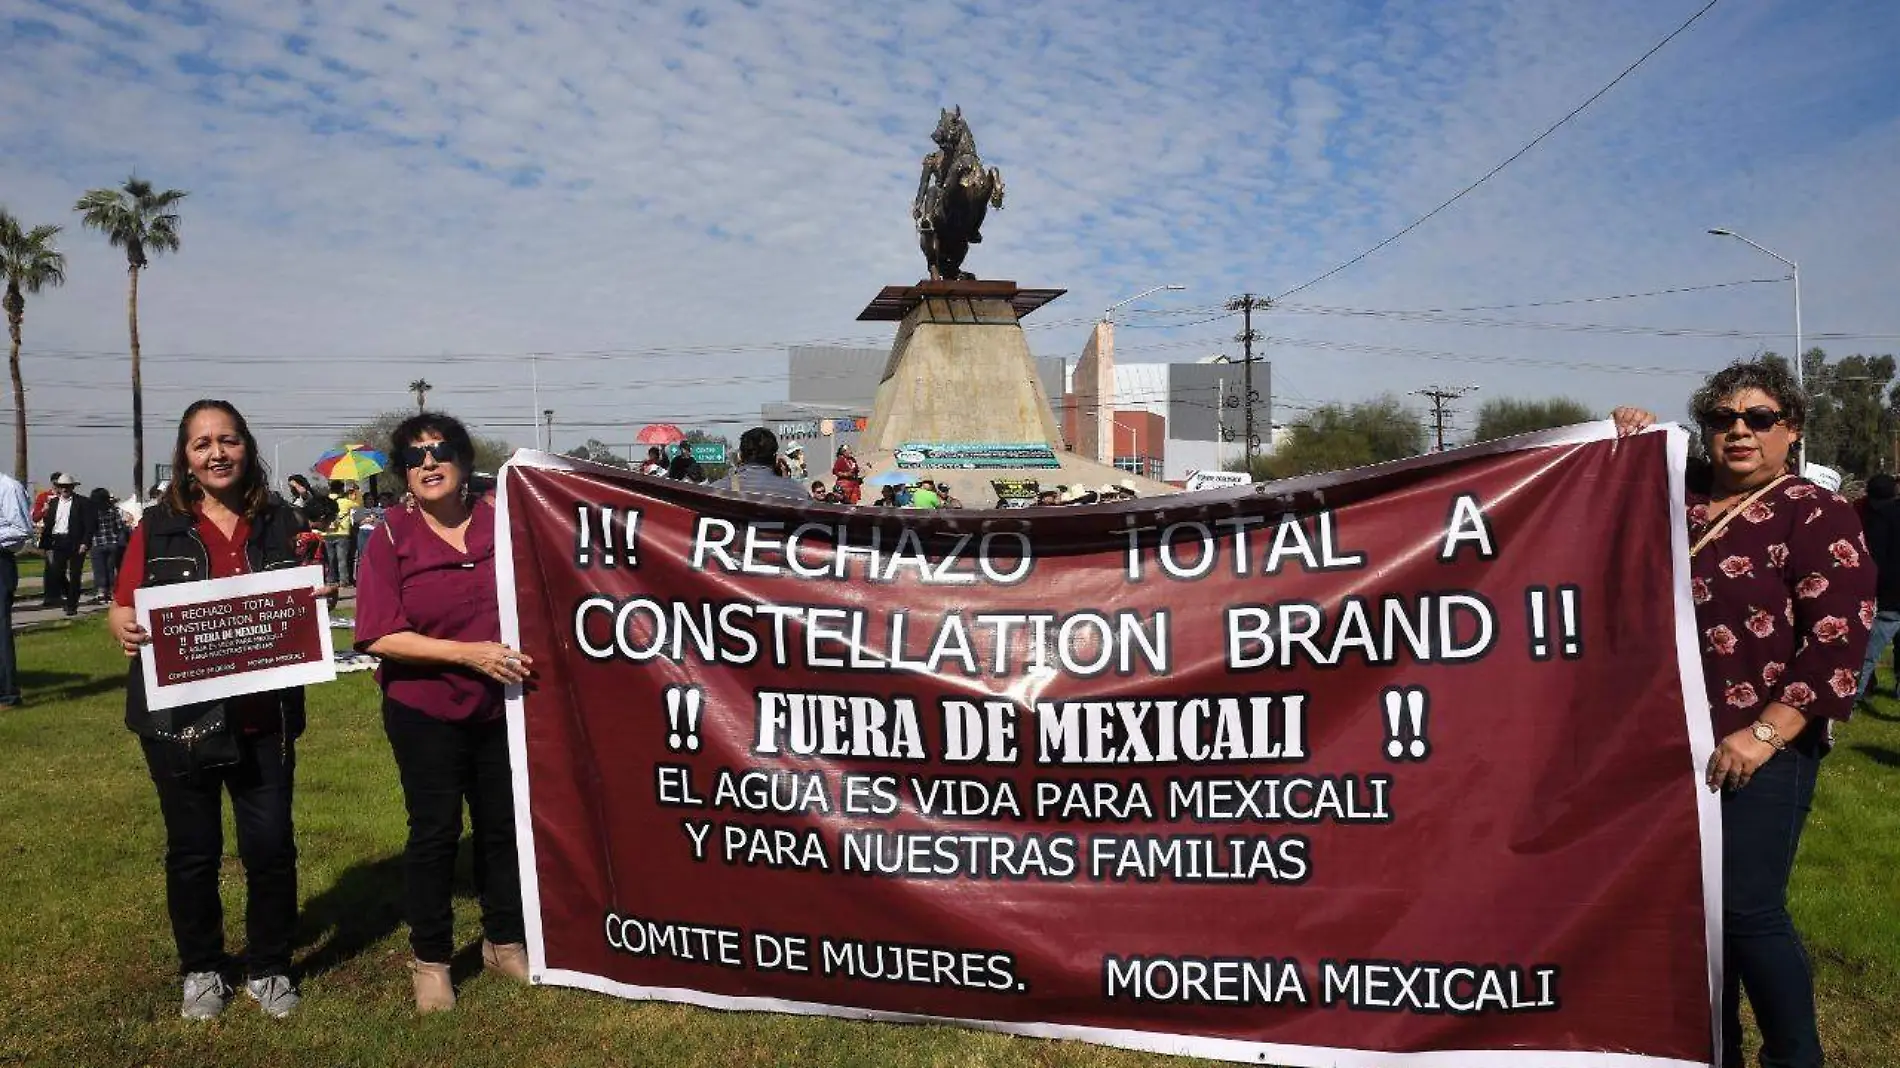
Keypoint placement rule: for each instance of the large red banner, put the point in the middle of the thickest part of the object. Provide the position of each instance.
(1391, 767)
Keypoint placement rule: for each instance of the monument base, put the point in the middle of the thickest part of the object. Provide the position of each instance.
(960, 372)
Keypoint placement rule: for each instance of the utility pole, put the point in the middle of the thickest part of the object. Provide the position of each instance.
(548, 414)
(1441, 398)
(1220, 423)
(1245, 305)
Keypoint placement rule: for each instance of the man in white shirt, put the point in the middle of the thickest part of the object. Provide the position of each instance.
(66, 535)
(16, 529)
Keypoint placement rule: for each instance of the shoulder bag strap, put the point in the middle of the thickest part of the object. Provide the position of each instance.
(1716, 529)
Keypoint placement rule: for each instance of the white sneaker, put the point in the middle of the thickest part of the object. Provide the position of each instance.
(204, 996)
(274, 994)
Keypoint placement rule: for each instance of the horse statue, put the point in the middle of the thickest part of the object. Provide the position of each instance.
(953, 195)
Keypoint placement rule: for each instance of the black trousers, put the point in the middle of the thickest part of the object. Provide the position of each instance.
(260, 786)
(443, 764)
(1762, 953)
(65, 573)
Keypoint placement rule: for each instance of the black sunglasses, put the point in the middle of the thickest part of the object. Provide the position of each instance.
(1756, 419)
(413, 455)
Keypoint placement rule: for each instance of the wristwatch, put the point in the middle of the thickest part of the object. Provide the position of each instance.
(1765, 731)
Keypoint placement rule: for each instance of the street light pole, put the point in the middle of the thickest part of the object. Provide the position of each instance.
(278, 471)
(1794, 269)
(1108, 314)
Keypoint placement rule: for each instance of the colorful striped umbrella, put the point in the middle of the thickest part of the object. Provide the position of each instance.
(351, 463)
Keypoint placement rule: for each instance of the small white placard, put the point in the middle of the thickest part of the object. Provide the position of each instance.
(224, 637)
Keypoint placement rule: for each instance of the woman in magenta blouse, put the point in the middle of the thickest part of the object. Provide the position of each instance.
(426, 604)
(1784, 596)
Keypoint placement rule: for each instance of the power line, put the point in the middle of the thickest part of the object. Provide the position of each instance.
(1512, 158)
(1615, 296)
(1521, 324)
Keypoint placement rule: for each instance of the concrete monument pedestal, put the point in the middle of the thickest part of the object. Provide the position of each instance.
(960, 373)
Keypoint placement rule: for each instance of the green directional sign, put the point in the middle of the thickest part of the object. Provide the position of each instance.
(708, 452)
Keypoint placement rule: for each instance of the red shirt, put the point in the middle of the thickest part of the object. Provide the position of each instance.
(1784, 602)
(410, 579)
(251, 713)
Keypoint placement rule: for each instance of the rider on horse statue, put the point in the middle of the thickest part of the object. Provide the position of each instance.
(953, 194)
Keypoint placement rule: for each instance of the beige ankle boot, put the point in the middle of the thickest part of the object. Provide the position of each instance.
(508, 958)
(434, 992)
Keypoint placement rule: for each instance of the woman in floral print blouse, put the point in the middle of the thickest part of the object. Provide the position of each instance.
(1784, 596)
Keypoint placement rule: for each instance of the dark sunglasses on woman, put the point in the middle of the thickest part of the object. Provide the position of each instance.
(444, 453)
(1757, 419)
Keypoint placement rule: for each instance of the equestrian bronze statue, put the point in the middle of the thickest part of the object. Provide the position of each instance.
(953, 195)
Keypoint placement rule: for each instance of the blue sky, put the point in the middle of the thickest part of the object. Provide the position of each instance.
(661, 196)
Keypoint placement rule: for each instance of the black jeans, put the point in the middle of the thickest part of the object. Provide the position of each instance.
(441, 764)
(1761, 826)
(65, 574)
(260, 788)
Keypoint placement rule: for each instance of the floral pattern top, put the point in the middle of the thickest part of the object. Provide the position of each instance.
(1784, 603)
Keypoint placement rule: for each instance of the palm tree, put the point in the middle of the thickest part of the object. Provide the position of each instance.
(420, 387)
(138, 220)
(30, 263)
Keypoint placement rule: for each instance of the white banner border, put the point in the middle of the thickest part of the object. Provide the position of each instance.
(1695, 711)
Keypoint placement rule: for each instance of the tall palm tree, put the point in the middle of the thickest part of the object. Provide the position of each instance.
(139, 220)
(30, 263)
(420, 387)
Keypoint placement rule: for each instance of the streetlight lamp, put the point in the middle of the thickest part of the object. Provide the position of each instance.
(276, 470)
(1108, 314)
(1795, 269)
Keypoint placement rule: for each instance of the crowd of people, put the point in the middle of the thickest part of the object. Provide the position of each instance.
(1789, 583)
(764, 467)
(340, 521)
(72, 529)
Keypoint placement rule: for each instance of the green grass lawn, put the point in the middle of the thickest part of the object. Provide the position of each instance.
(87, 965)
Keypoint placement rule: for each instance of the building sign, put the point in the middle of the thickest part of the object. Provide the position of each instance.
(821, 428)
(1205, 480)
(978, 455)
(1016, 492)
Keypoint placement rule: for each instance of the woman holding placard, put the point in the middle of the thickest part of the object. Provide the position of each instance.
(426, 604)
(1784, 598)
(217, 520)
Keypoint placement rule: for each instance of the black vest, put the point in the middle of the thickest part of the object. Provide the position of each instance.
(175, 553)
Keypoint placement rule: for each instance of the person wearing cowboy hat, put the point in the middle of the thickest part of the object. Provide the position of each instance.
(66, 531)
(795, 460)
